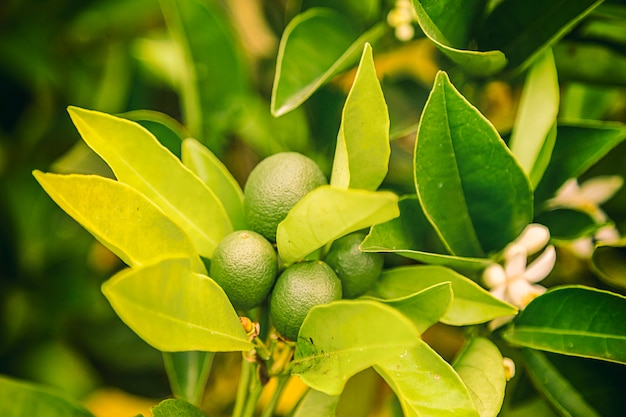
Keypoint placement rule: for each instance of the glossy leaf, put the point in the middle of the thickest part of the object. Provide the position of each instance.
(447, 24)
(202, 162)
(173, 407)
(362, 151)
(340, 339)
(316, 404)
(479, 364)
(139, 160)
(426, 385)
(188, 373)
(164, 127)
(531, 141)
(21, 398)
(121, 218)
(328, 213)
(411, 235)
(578, 146)
(523, 29)
(425, 307)
(470, 186)
(555, 386)
(609, 263)
(577, 321)
(316, 45)
(174, 309)
(471, 304)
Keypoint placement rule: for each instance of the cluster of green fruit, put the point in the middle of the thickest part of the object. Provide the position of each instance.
(245, 263)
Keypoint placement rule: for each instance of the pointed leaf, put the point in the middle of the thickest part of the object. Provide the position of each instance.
(470, 186)
(173, 407)
(139, 160)
(121, 218)
(471, 303)
(568, 224)
(164, 127)
(316, 45)
(188, 373)
(340, 339)
(328, 213)
(426, 385)
(316, 404)
(202, 162)
(577, 321)
(362, 151)
(536, 117)
(480, 367)
(174, 309)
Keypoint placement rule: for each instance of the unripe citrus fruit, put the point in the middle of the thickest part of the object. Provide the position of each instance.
(358, 271)
(274, 186)
(300, 287)
(244, 264)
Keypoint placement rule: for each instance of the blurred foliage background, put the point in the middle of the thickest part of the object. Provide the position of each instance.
(117, 56)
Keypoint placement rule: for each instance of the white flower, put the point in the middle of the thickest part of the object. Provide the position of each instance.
(400, 18)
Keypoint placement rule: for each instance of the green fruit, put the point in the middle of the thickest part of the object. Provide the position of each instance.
(274, 186)
(300, 287)
(358, 271)
(244, 264)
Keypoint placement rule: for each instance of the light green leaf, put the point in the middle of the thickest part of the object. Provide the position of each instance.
(216, 176)
(531, 141)
(609, 263)
(425, 307)
(576, 321)
(426, 385)
(362, 151)
(595, 64)
(121, 218)
(316, 404)
(21, 398)
(471, 303)
(340, 339)
(316, 45)
(327, 213)
(555, 386)
(188, 373)
(173, 407)
(139, 160)
(480, 367)
(174, 309)
(470, 186)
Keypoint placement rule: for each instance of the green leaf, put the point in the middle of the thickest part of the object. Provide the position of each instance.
(340, 339)
(217, 177)
(164, 127)
(328, 213)
(188, 373)
(425, 307)
(447, 24)
(174, 309)
(609, 263)
(523, 29)
(173, 407)
(362, 151)
(595, 63)
(531, 139)
(21, 398)
(578, 146)
(121, 218)
(411, 235)
(471, 304)
(316, 404)
(479, 364)
(426, 385)
(555, 387)
(470, 186)
(567, 224)
(577, 321)
(139, 160)
(316, 45)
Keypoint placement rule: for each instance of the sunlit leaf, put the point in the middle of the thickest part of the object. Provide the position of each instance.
(426, 385)
(316, 45)
(609, 263)
(362, 151)
(217, 177)
(173, 407)
(20, 398)
(470, 186)
(327, 213)
(121, 218)
(188, 373)
(139, 160)
(479, 364)
(471, 304)
(174, 309)
(339, 339)
(577, 321)
(316, 404)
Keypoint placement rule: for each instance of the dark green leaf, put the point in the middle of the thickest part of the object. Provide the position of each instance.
(176, 408)
(609, 263)
(567, 224)
(165, 128)
(577, 321)
(188, 373)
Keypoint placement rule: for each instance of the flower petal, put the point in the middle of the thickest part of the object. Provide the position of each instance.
(494, 275)
(514, 260)
(541, 267)
(534, 237)
(601, 188)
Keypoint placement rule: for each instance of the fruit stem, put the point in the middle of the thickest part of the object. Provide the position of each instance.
(242, 389)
